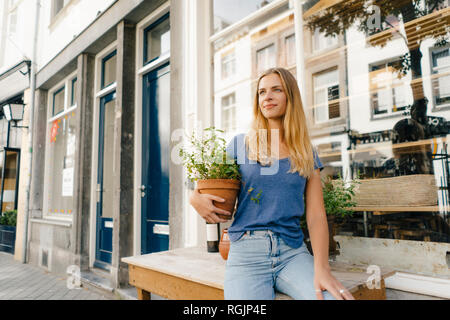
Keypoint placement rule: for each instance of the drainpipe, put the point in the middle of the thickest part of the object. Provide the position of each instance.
(30, 131)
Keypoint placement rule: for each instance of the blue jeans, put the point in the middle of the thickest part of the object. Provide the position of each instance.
(260, 262)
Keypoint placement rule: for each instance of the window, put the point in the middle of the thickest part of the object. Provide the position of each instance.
(326, 96)
(388, 92)
(290, 50)
(157, 39)
(441, 76)
(321, 42)
(109, 69)
(228, 65)
(60, 151)
(12, 24)
(266, 58)
(73, 99)
(58, 101)
(229, 113)
(58, 5)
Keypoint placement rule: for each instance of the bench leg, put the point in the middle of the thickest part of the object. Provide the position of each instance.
(142, 294)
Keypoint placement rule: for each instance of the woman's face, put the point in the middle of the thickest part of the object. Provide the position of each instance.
(271, 96)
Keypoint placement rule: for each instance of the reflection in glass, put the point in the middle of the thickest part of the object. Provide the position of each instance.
(396, 66)
(266, 58)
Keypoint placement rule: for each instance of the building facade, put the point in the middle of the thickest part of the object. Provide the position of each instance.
(119, 83)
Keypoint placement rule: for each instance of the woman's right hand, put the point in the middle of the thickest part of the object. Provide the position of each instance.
(203, 204)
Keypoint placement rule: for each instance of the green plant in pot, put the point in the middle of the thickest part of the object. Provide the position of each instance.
(338, 198)
(206, 162)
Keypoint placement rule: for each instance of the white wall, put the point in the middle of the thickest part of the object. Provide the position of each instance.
(56, 33)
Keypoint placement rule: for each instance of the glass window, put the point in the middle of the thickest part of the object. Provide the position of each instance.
(58, 101)
(326, 92)
(441, 78)
(321, 42)
(157, 39)
(228, 65)
(61, 164)
(73, 100)
(58, 5)
(290, 50)
(266, 58)
(229, 113)
(109, 66)
(391, 73)
(388, 92)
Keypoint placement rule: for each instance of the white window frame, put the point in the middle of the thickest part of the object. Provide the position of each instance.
(266, 58)
(228, 62)
(326, 92)
(286, 39)
(223, 108)
(67, 84)
(434, 71)
(54, 13)
(319, 38)
(391, 89)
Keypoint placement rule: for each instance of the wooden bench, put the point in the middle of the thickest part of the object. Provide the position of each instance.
(194, 274)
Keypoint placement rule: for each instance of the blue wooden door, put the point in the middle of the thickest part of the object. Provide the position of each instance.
(104, 191)
(155, 160)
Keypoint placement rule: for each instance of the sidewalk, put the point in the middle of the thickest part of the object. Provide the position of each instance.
(20, 281)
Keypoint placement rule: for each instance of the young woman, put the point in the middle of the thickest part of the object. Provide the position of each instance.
(279, 171)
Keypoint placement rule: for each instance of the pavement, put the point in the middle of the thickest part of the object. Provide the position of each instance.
(20, 281)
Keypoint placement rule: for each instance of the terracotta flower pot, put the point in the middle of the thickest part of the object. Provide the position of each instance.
(225, 188)
(224, 244)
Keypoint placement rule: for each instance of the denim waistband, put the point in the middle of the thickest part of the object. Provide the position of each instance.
(259, 232)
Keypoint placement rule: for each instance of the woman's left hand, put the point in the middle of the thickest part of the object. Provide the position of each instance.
(324, 280)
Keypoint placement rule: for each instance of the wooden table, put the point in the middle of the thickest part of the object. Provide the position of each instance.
(194, 274)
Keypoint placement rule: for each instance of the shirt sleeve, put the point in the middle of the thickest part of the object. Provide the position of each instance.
(231, 149)
(317, 163)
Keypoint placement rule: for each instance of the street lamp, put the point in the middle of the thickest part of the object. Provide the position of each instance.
(14, 112)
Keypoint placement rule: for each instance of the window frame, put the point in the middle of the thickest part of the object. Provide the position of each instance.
(68, 108)
(265, 47)
(329, 70)
(434, 71)
(163, 18)
(392, 88)
(102, 67)
(231, 106)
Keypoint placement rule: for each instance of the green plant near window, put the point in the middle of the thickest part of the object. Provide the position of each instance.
(338, 198)
(9, 218)
(207, 158)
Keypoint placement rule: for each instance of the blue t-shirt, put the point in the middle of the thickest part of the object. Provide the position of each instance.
(270, 197)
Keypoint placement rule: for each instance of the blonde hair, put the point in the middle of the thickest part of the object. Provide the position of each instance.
(296, 135)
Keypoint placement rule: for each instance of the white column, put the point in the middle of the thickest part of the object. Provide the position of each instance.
(197, 97)
(299, 48)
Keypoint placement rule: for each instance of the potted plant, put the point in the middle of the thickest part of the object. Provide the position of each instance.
(8, 221)
(207, 163)
(338, 198)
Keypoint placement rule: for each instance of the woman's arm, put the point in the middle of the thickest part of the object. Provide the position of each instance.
(316, 220)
